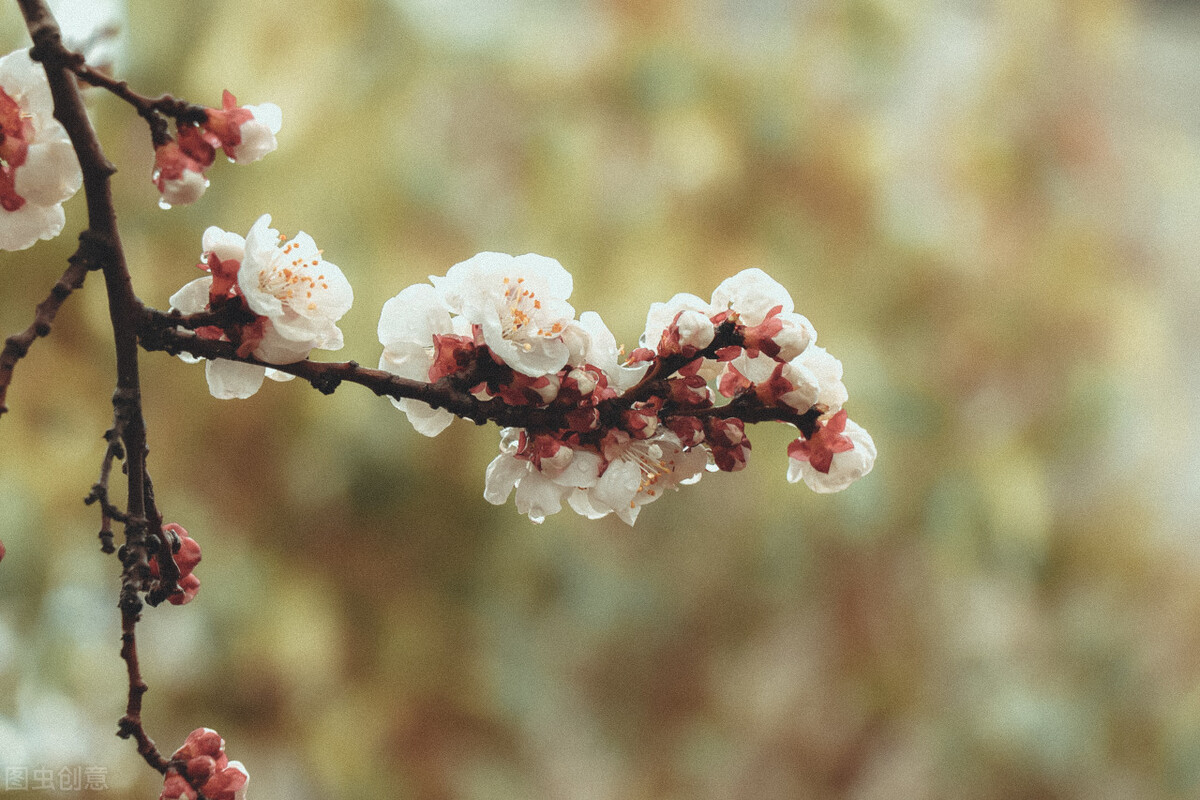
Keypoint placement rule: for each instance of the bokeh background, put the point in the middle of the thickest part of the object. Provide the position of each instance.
(991, 213)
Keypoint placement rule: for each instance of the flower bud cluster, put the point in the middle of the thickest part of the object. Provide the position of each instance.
(245, 133)
(38, 167)
(275, 299)
(203, 761)
(186, 554)
(617, 434)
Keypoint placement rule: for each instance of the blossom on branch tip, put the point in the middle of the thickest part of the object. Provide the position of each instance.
(38, 167)
(245, 133)
(178, 175)
(206, 766)
(835, 456)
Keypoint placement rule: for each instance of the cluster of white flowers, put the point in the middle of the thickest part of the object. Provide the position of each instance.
(39, 169)
(295, 296)
(497, 327)
(501, 326)
(245, 133)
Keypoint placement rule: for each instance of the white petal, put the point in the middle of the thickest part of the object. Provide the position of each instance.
(258, 133)
(268, 114)
(503, 473)
(538, 496)
(50, 173)
(752, 293)
(617, 488)
(425, 419)
(24, 80)
(581, 501)
(277, 349)
(227, 246)
(184, 190)
(21, 228)
(582, 471)
(277, 375)
(414, 315)
(828, 371)
(193, 296)
(232, 379)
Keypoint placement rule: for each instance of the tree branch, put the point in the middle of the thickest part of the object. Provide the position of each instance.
(106, 254)
(158, 332)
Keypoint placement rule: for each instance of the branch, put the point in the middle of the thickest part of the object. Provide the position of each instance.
(151, 109)
(158, 333)
(106, 254)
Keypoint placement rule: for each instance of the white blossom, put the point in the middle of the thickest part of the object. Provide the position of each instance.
(282, 279)
(662, 315)
(520, 304)
(38, 167)
(600, 350)
(638, 472)
(258, 133)
(846, 467)
(828, 371)
(291, 285)
(752, 293)
(539, 489)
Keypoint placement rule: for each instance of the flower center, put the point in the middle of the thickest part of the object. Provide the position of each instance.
(290, 278)
(16, 129)
(649, 458)
(521, 309)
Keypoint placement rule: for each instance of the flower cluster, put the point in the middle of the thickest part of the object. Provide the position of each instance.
(245, 133)
(276, 300)
(612, 435)
(206, 766)
(186, 553)
(38, 167)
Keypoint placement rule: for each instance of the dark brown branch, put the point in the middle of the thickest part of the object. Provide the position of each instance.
(99, 492)
(158, 333)
(130, 726)
(106, 254)
(152, 109)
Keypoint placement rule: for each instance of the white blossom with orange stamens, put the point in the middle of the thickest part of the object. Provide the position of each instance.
(290, 284)
(638, 472)
(520, 305)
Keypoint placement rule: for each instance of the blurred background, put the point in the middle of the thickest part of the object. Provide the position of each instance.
(991, 213)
